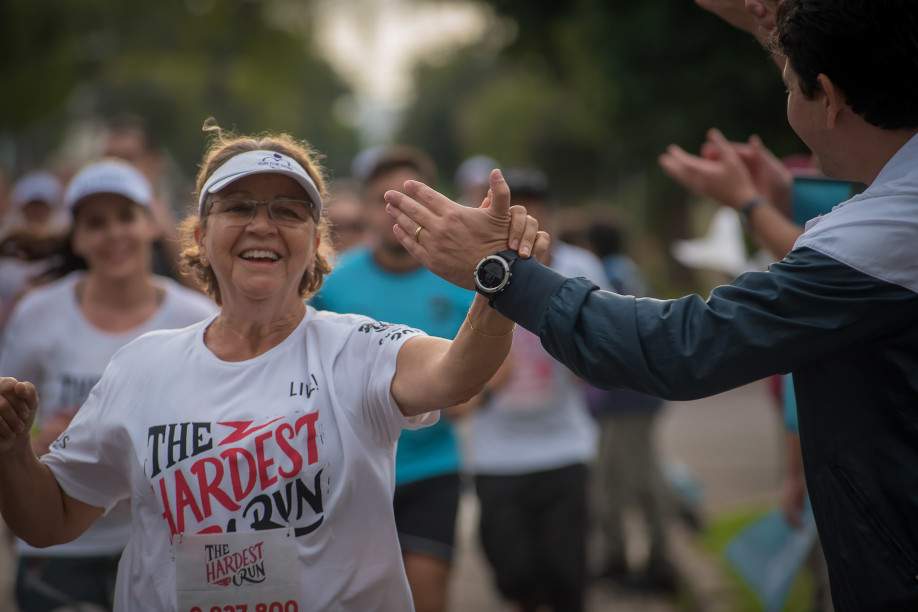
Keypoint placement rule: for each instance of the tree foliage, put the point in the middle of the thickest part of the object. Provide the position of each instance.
(592, 91)
(597, 90)
(175, 63)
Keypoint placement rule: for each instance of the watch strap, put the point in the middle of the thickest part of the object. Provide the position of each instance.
(747, 208)
(510, 255)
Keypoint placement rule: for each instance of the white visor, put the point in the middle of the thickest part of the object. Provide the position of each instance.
(256, 162)
(109, 176)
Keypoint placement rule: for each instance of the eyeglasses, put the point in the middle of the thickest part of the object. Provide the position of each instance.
(283, 211)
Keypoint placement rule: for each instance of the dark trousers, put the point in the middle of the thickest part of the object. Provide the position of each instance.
(49, 583)
(628, 470)
(533, 531)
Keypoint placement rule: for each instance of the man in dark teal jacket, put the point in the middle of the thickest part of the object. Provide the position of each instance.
(840, 311)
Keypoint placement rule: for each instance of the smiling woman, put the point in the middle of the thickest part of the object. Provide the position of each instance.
(286, 172)
(257, 447)
(62, 335)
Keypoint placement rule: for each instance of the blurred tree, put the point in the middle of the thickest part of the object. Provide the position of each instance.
(593, 91)
(175, 63)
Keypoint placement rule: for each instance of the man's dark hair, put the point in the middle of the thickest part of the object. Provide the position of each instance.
(402, 156)
(868, 48)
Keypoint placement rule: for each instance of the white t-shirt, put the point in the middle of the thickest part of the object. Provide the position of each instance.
(15, 275)
(302, 436)
(538, 420)
(50, 343)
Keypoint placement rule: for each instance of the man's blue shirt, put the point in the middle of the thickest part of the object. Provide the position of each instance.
(417, 298)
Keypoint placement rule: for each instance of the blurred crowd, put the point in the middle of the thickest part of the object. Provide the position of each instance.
(555, 464)
(550, 459)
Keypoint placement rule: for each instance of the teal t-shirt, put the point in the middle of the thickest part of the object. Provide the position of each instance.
(417, 298)
(790, 404)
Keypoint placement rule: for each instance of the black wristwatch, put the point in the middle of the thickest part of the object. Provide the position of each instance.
(493, 273)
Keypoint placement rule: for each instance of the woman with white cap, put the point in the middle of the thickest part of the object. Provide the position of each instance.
(36, 213)
(62, 335)
(36, 203)
(257, 447)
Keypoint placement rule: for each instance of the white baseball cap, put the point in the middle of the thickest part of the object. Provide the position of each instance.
(37, 186)
(257, 162)
(109, 176)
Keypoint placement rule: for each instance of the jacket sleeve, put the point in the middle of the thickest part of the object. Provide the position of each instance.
(762, 323)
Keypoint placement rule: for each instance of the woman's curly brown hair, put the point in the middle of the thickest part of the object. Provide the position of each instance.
(225, 145)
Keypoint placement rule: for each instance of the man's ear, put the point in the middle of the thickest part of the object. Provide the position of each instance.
(834, 99)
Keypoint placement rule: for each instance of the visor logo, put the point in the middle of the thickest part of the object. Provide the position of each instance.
(275, 161)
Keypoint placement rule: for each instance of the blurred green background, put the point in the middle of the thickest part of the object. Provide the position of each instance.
(589, 91)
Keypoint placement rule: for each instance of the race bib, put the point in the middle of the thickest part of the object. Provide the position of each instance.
(253, 571)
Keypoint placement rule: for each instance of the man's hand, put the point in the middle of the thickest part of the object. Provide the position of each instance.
(763, 11)
(454, 238)
(757, 17)
(733, 12)
(771, 177)
(18, 406)
(720, 174)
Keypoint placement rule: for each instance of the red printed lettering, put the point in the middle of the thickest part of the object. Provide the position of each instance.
(167, 513)
(283, 431)
(309, 420)
(263, 462)
(233, 478)
(232, 456)
(211, 488)
(184, 498)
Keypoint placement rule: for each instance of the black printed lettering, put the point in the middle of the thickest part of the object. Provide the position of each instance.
(199, 444)
(180, 443)
(155, 435)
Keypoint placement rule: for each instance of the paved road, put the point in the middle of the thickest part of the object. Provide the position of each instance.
(731, 442)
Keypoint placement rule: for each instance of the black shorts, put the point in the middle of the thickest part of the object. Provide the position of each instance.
(425, 515)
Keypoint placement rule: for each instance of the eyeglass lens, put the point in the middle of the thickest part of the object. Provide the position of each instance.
(282, 211)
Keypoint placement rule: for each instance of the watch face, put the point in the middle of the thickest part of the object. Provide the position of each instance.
(491, 274)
